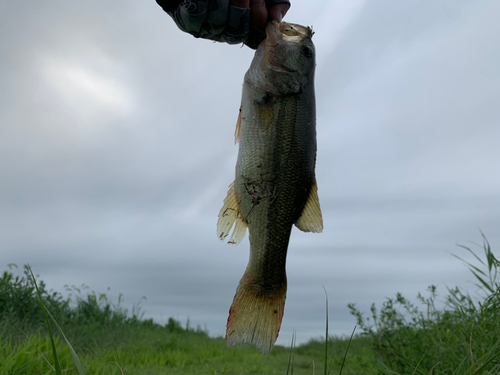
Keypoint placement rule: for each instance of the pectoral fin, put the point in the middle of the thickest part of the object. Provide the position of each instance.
(311, 219)
(230, 215)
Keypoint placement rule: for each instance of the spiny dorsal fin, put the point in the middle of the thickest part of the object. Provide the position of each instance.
(238, 129)
(229, 215)
(311, 219)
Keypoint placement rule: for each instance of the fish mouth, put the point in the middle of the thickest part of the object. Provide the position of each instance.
(273, 35)
(288, 32)
(276, 32)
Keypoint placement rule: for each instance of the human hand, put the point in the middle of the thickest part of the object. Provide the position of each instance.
(262, 11)
(230, 21)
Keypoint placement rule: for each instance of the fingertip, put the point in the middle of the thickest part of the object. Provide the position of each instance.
(278, 11)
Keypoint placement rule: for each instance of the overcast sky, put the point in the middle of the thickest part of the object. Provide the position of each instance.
(117, 149)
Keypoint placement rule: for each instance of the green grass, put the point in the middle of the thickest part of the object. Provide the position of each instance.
(462, 338)
(109, 340)
(149, 352)
(400, 337)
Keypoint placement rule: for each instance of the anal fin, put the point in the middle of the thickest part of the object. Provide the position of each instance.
(311, 219)
(230, 216)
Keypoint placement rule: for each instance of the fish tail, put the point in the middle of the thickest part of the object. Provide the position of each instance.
(255, 315)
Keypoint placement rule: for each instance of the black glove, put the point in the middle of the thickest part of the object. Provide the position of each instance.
(216, 20)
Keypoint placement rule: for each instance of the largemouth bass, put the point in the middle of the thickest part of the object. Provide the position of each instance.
(275, 185)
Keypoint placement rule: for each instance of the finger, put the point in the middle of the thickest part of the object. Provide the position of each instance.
(240, 3)
(278, 11)
(259, 13)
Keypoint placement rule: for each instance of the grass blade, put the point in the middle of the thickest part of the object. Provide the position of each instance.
(327, 370)
(347, 349)
(47, 314)
(485, 360)
(57, 365)
(78, 364)
(38, 351)
(290, 358)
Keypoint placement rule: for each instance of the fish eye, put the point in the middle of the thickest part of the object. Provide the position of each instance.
(307, 51)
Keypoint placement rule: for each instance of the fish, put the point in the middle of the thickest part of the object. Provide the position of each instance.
(275, 183)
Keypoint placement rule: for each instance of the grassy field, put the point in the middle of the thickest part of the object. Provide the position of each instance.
(400, 337)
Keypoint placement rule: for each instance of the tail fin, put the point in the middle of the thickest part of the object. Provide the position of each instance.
(255, 316)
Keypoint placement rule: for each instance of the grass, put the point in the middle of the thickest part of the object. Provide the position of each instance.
(462, 338)
(109, 340)
(89, 334)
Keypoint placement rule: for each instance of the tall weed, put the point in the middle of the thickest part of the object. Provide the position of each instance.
(462, 338)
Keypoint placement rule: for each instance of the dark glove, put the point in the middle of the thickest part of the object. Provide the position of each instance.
(216, 20)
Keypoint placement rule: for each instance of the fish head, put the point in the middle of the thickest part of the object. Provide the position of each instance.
(288, 57)
(289, 47)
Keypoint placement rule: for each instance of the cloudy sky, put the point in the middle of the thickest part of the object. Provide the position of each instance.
(117, 148)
